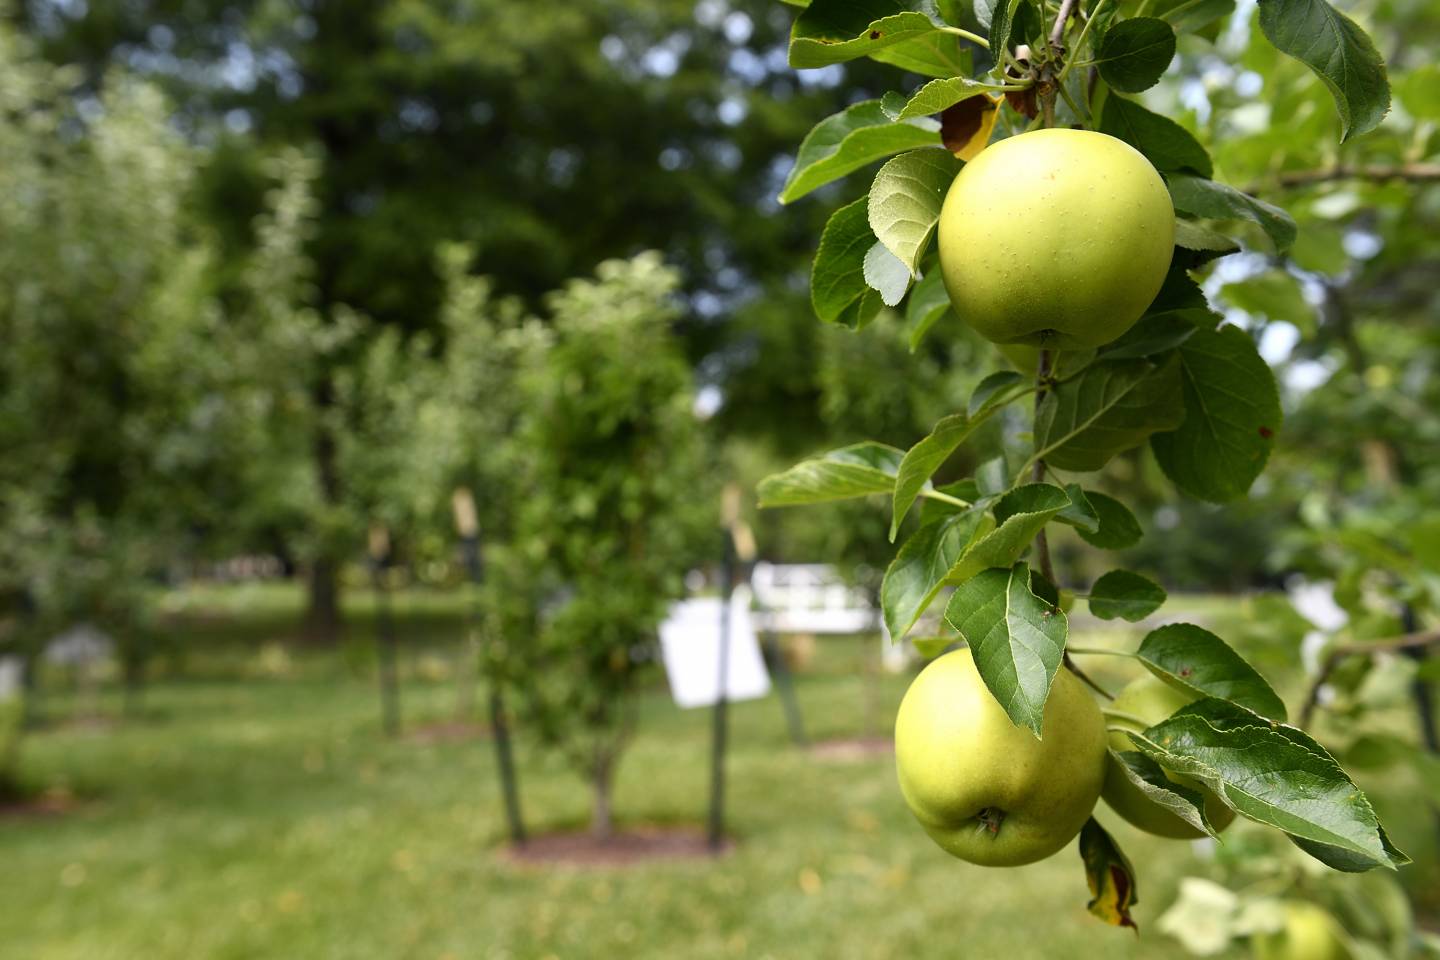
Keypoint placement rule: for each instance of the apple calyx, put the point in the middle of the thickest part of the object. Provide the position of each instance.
(990, 819)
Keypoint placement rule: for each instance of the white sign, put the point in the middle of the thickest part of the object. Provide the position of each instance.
(12, 674)
(690, 647)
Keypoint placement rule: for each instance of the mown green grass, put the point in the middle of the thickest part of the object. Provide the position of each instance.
(262, 814)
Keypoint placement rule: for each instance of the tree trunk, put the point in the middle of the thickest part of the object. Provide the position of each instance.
(322, 611)
(322, 616)
(601, 825)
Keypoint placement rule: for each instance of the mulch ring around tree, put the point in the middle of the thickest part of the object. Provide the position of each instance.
(631, 847)
(51, 803)
(449, 732)
(847, 749)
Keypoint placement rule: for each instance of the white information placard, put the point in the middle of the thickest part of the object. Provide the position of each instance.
(690, 647)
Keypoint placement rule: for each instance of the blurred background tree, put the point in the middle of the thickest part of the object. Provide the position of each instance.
(680, 139)
(618, 504)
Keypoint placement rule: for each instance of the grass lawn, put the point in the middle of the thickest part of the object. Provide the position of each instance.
(257, 811)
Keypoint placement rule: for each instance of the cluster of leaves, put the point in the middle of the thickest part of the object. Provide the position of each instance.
(1197, 391)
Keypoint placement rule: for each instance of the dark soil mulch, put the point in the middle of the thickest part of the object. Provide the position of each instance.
(48, 804)
(635, 846)
(853, 748)
(449, 731)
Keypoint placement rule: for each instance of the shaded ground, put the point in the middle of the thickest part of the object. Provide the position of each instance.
(258, 812)
(634, 847)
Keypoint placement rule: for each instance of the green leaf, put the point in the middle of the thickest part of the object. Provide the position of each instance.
(936, 95)
(1111, 406)
(995, 389)
(1193, 659)
(1341, 54)
(1145, 774)
(1017, 639)
(922, 460)
(1118, 527)
(1273, 294)
(1127, 595)
(844, 142)
(1031, 498)
(1002, 22)
(885, 274)
(1155, 334)
(1208, 243)
(905, 200)
(1232, 411)
(892, 103)
(1419, 92)
(1273, 774)
(834, 31)
(1110, 876)
(992, 477)
(1206, 198)
(1135, 53)
(930, 55)
(922, 565)
(854, 471)
(1080, 514)
(1178, 292)
(929, 303)
(931, 647)
(1163, 141)
(838, 290)
(1189, 16)
(1020, 515)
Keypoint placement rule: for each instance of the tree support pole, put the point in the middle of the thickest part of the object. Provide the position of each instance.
(467, 523)
(385, 632)
(720, 731)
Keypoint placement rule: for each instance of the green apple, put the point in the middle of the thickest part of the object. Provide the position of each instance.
(1021, 356)
(1056, 238)
(1152, 700)
(1309, 934)
(986, 790)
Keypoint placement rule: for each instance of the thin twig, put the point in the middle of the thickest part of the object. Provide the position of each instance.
(1377, 173)
(1340, 651)
(1070, 665)
(1057, 32)
(1042, 544)
(1079, 43)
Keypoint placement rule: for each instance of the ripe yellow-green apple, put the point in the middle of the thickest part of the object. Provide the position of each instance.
(986, 790)
(1152, 700)
(1055, 238)
(1308, 934)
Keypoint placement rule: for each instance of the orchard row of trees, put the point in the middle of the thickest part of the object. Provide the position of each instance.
(160, 407)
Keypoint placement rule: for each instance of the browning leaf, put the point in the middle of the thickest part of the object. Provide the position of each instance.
(1110, 876)
(965, 127)
(1023, 102)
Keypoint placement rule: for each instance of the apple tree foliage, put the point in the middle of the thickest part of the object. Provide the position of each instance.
(1185, 383)
(613, 504)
